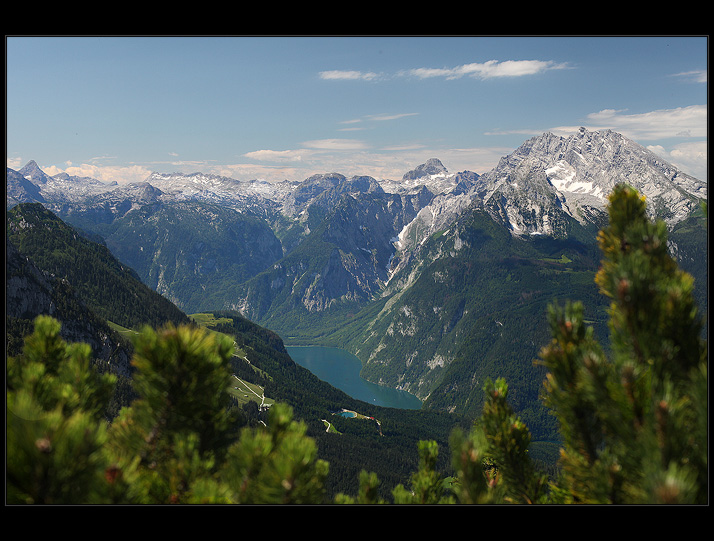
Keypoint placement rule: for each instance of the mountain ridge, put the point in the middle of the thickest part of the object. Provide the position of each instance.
(360, 254)
(580, 171)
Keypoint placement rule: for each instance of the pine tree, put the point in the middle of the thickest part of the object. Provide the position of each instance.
(177, 443)
(55, 429)
(634, 426)
(179, 428)
(278, 465)
(426, 484)
(633, 419)
(368, 491)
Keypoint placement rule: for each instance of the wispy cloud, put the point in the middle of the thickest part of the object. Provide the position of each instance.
(688, 121)
(383, 117)
(103, 173)
(690, 157)
(355, 124)
(695, 76)
(275, 155)
(348, 75)
(678, 123)
(308, 150)
(525, 132)
(489, 70)
(478, 70)
(335, 144)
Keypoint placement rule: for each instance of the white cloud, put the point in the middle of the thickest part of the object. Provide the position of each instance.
(335, 144)
(384, 117)
(525, 132)
(14, 163)
(680, 122)
(489, 70)
(660, 124)
(275, 155)
(349, 75)
(103, 173)
(690, 157)
(372, 118)
(399, 148)
(695, 151)
(695, 76)
(479, 70)
(270, 173)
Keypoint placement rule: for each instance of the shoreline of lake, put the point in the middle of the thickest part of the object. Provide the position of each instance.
(341, 369)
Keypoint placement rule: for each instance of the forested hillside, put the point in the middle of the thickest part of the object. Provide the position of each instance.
(56, 269)
(390, 448)
(109, 287)
(95, 288)
(484, 307)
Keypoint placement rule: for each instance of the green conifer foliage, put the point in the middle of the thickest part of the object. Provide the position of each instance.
(55, 431)
(178, 430)
(476, 477)
(276, 466)
(427, 486)
(634, 422)
(179, 442)
(508, 440)
(368, 492)
(633, 419)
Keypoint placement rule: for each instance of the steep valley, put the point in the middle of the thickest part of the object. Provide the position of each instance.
(436, 281)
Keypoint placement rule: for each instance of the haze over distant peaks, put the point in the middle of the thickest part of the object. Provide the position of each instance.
(547, 174)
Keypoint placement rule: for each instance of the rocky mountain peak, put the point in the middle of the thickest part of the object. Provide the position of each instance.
(433, 166)
(33, 173)
(550, 174)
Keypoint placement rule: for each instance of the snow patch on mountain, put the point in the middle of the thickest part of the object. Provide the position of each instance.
(564, 178)
(549, 174)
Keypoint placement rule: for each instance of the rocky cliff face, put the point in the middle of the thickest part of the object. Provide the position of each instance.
(549, 176)
(346, 257)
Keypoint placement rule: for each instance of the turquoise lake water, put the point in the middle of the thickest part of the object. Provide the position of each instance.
(341, 369)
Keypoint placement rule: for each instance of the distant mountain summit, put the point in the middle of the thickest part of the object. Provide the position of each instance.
(34, 174)
(549, 177)
(433, 166)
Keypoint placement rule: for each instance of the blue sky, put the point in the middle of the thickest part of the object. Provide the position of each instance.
(118, 108)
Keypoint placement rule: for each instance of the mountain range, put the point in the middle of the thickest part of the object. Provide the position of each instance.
(435, 281)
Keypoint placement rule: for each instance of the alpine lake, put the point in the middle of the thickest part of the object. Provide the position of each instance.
(341, 369)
